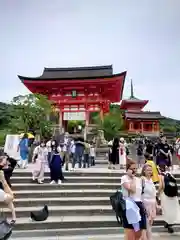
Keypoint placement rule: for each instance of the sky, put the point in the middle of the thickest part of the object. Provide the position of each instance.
(141, 37)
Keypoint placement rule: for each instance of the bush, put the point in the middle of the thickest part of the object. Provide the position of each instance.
(2, 137)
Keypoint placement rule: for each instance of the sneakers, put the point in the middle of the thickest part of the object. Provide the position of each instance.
(33, 178)
(40, 182)
(52, 182)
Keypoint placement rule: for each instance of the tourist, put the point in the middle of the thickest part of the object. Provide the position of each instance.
(56, 164)
(23, 148)
(86, 154)
(149, 200)
(155, 172)
(140, 154)
(168, 193)
(66, 150)
(177, 147)
(72, 154)
(40, 160)
(164, 156)
(8, 169)
(110, 154)
(122, 153)
(79, 151)
(48, 145)
(132, 188)
(149, 148)
(92, 154)
(6, 195)
(114, 154)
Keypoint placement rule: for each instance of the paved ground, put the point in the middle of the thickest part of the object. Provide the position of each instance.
(97, 168)
(107, 237)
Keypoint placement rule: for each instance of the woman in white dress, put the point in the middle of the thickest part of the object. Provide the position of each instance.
(170, 205)
(122, 153)
(149, 200)
(40, 160)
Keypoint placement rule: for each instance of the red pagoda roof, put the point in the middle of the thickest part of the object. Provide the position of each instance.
(143, 115)
(88, 79)
(133, 103)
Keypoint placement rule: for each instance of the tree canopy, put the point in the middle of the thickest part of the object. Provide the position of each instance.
(112, 123)
(28, 113)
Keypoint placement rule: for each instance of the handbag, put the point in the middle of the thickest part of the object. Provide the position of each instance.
(5, 229)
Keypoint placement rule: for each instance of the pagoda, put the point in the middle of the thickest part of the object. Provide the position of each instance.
(137, 120)
(77, 91)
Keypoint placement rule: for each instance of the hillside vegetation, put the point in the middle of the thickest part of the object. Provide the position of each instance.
(18, 117)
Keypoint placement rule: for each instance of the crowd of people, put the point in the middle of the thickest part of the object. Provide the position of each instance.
(68, 155)
(146, 193)
(140, 191)
(158, 151)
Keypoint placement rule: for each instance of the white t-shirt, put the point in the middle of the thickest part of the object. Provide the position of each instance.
(137, 196)
(48, 145)
(42, 153)
(149, 191)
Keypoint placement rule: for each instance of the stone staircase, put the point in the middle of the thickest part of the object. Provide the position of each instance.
(79, 208)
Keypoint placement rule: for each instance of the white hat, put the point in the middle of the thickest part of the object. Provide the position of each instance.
(121, 139)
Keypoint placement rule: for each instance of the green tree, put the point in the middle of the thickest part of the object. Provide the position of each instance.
(4, 115)
(112, 123)
(29, 113)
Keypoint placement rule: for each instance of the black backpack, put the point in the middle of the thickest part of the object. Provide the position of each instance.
(118, 205)
(170, 186)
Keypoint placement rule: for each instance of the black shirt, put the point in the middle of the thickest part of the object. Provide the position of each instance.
(149, 148)
(165, 147)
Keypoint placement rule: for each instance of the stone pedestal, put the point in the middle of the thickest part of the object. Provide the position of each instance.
(100, 138)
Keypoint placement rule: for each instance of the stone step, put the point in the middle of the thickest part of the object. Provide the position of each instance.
(75, 179)
(91, 172)
(65, 185)
(101, 161)
(65, 201)
(58, 210)
(73, 222)
(72, 179)
(63, 193)
(118, 236)
(88, 172)
(102, 150)
(54, 193)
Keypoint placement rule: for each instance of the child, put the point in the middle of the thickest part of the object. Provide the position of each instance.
(92, 154)
(149, 161)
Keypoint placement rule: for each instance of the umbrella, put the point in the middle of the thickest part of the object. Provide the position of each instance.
(30, 135)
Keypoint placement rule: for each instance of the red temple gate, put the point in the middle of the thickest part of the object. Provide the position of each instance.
(78, 91)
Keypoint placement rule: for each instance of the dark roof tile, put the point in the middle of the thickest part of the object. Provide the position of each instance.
(143, 115)
(75, 72)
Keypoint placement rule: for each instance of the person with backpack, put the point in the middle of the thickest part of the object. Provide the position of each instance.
(163, 154)
(140, 154)
(168, 193)
(134, 217)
